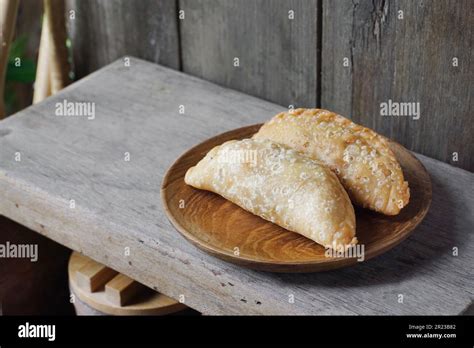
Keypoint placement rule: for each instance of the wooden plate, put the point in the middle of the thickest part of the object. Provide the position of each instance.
(226, 231)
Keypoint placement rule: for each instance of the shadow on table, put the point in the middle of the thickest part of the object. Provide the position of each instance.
(433, 239)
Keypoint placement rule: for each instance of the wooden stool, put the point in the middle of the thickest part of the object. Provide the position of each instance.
(100, 290)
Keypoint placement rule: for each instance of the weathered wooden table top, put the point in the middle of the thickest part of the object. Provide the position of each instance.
(116, 215)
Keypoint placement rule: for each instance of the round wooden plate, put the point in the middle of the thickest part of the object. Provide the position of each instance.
(226, 231)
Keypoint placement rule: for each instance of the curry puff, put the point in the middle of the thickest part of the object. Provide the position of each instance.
(280, 185)
(361, 158)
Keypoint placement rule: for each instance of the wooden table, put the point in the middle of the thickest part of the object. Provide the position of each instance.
(116, 216)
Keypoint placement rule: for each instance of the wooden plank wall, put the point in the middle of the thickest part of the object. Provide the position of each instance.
(300, 61)
(274, 40)
(407, 59)
(102, 31)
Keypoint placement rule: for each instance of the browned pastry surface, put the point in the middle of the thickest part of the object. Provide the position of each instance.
(360, 157)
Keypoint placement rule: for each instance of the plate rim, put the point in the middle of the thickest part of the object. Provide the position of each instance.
(288, 266)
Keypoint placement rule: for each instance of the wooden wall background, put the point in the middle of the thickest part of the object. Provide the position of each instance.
(300, 61)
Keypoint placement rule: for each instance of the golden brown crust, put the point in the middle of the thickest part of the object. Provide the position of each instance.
(280, 185)
(360, 157)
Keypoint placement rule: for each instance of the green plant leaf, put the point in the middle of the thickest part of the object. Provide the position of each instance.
(25, 73)
(18, 47)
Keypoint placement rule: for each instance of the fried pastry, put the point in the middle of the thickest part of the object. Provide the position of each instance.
(361, 158)
(280, 185)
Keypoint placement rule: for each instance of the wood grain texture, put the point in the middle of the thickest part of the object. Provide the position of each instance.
(118, 202)
(405, 60)
(93, 276)
(300, 61)
(218, 226)
(105, 30)
(147, 302)
(121, 290)
(277, 56)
